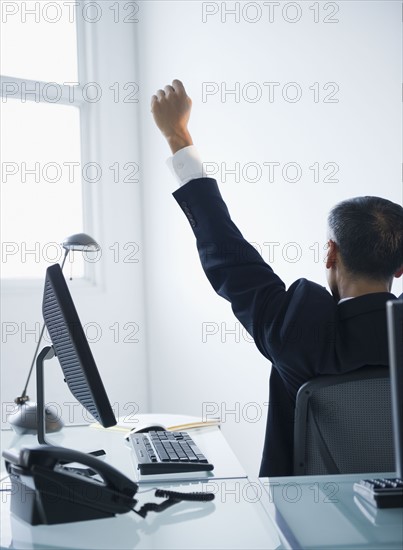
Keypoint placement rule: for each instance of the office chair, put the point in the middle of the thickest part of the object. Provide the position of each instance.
(343, 424)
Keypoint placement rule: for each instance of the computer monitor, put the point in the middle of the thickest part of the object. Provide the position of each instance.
(394, 311)
(71, 347)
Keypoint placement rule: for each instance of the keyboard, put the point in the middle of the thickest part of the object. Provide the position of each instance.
(381, 492)
(163, 452)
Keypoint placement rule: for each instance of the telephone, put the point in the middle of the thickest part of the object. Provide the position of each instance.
(45, 490)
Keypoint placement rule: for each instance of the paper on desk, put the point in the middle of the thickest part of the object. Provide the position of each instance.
(170, 422)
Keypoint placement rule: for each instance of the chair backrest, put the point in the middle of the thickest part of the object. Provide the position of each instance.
(343, 424)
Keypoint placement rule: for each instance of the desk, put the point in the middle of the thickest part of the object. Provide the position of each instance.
(324, 512)
(237, 518)
(291, 512)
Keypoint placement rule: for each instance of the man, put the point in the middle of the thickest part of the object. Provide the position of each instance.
(304, 331)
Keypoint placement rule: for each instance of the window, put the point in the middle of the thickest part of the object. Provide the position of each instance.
(41, 175)
(39, 41)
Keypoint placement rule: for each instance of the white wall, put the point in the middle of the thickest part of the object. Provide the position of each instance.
(361, 133)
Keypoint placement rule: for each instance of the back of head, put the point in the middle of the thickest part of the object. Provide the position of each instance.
(369, 234)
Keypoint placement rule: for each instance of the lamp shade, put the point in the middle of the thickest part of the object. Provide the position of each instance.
(80, 241)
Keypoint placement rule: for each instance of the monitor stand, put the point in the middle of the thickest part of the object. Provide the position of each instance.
(47, 352)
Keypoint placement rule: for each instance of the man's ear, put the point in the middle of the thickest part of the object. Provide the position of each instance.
(331, 256)
(399, 272)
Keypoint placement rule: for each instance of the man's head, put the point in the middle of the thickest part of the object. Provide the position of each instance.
(365, 245)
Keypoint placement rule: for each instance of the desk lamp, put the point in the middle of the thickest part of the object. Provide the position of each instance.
(23, 420)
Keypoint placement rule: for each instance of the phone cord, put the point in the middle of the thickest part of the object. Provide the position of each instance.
(173, 497)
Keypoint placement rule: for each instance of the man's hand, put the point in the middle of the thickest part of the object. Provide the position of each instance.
(171, 110)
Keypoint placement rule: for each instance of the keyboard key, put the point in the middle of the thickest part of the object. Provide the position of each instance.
(195, 449)
(171, 452)
(180, 453)
(187, 450)
(193, 458)
(162, 454)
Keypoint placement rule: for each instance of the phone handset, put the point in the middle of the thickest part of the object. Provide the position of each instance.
(49, 457)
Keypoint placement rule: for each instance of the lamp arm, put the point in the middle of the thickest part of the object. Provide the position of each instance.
(23, 397)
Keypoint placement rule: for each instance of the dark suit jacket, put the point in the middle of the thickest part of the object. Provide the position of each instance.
(301, 330)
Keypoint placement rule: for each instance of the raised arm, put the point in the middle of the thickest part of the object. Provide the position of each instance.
(234, 268)
(270, 313)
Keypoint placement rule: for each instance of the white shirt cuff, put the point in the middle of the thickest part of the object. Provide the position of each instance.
(186, 164)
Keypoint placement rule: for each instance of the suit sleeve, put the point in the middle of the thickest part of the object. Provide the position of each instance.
(235, 269)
